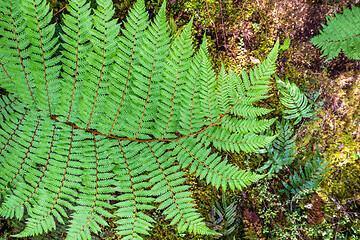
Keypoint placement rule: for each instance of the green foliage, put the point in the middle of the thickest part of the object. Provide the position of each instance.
(116, 118)
(293, 99)
(308, 177)
(223, 217)
(250, 233)
(282, 150)
(285, 45)
(341, 34)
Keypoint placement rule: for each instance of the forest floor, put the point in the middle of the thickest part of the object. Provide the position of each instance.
(241, 33)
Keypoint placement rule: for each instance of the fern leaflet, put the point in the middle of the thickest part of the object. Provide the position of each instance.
(342, 33)
(293, 99)
(307, 179)
(282, 150)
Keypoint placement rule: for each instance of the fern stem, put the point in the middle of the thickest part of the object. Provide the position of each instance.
(77, 60)
(6, 72)
(60, 10)
(192, 105)
(9, 105)
(13, 132)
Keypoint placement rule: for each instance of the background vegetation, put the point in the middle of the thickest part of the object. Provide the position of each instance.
(240, 34)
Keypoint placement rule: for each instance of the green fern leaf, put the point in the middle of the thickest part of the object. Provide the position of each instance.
(224, 89)
(111, 121)
(15, 69)
(307, 179)
(100, 59)
(341, 34)
(76, 48)
(44, 68)
(246, 125)
(208, 97)
(293, 99)
(128, 67)
(282, 150)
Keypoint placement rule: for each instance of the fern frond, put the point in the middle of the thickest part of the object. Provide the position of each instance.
(235, 142)
(7, 103)
(342, 33)
(257, 82)
(307, 179)
(167, 183)
(176, 73)
(75, 41)
(208, 98)
(94, 192)
(191, 114)
(41, 197)
(246, 125)
(15, 67)
(100, 60)
(132, 183)
(44, 68)
(224, 87)
(246, 111)
(251, 87)
(140, 66)
(293, 99)
(224, 217)
(236, 96)
(282, 149)
(217, 172)
(112, 117)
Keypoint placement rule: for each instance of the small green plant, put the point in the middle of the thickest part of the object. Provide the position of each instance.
(307, 179)
(223, 217)
(282, 150)
(294, 100)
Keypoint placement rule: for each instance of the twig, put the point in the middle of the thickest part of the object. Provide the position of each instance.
(222, 24)
(207, 9)
(60, 10)
(223, 29)
(180, 14)
(338, 205)
(341, 164)
(287, 168)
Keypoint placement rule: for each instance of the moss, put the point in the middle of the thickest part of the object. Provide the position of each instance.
(339, 125)
(163, 231)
